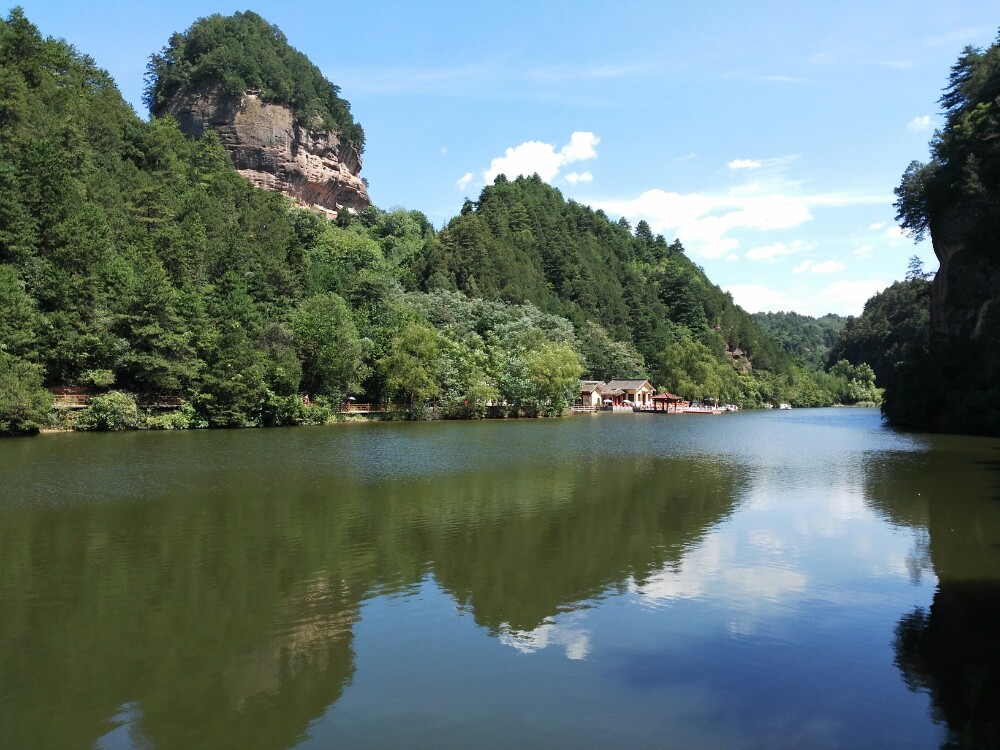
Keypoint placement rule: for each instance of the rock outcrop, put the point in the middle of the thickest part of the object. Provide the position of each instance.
(965, 287)
(313, 167)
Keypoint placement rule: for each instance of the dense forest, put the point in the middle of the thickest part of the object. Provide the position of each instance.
(802, 335)
(139, 265)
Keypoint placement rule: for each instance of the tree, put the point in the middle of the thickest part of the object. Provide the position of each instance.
(328, 345)
(895, 324)
(915, 269)
(411, 366)
(554, 370)
(24, 403)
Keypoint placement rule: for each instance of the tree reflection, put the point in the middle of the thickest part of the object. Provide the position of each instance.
(224, 616)
(952, 649)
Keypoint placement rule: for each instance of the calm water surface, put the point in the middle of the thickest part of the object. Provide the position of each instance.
(804, 579)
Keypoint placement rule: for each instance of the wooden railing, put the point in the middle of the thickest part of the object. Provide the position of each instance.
(70, 401)
(82, 400)
(354, 408)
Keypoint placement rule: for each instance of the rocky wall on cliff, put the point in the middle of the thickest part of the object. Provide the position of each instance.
(966, 288)
(315, 168)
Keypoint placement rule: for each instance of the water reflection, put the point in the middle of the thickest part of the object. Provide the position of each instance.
(952, 648)
(604, 582)
(211, 611)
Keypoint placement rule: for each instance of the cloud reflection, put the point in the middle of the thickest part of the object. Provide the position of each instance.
(566, 635)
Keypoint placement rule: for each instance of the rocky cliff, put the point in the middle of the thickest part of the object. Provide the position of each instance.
(314, 167)
(965, 287)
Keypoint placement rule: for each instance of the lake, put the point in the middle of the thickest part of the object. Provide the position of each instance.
(803, 579)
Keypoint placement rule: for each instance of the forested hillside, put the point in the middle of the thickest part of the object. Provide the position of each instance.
(802, 335)
(138, 263)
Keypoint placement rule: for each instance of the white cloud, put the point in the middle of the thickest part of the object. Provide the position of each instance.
(829, 266)
(759, 298)
(743, 164)
(573, 177)
(802, 267)
(535, 157)
(850, 296)
(863, 251)
(771, 252)
(877, 226)
(919, 124)
(444, 151)
(581, 146)
(842, 297)
(463, 181)
(704, 221)
(732, 257)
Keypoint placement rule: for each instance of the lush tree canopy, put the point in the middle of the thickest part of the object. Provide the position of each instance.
(802, 335)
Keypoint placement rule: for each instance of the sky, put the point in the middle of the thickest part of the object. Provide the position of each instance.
(766, 136)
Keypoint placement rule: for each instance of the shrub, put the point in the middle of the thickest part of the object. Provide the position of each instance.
(110, 411)
(169, 420)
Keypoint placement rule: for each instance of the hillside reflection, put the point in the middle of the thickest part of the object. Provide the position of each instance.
(222, 614)
(952, 648)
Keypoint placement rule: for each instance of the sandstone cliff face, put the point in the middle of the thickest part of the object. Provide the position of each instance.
(315, 168)
(965, 287)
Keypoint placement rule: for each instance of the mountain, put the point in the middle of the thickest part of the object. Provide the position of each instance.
(284, 125)
(522, 241)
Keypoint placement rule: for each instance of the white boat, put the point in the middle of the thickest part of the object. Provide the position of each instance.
(701, 410)
(784, 407)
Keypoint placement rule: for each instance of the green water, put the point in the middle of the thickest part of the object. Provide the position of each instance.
(804, 579)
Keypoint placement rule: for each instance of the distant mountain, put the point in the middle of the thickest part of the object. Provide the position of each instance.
(802, 335)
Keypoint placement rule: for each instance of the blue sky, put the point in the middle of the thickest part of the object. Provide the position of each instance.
(767, 136)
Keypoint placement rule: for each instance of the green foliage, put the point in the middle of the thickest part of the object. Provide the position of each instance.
(860, 383)
(245, 52)
(957, 192)
(894, 325)
(178, 419)
(328, 346)
(24, 403)
(690, 369)
(411, 366)
(801, 335)
(110, 411)
(554, 370)
(523, 242)
(97, 378)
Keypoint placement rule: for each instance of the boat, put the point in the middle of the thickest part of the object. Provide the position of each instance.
(694, 408)
(784, 407)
